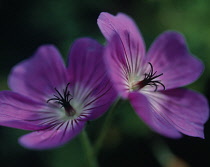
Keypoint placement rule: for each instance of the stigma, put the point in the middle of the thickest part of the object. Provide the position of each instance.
(64, 100)
(149, 79)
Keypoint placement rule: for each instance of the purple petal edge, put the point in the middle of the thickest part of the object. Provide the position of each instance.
(18, 111)
(156, 122)
(173, 110)
(39, 74)
(169, 55)
(51, 138)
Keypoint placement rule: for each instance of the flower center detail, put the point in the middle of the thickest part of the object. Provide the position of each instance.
(64, 101)
(149, 79)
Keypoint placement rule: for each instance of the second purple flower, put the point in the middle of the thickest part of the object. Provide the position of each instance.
(151, 81)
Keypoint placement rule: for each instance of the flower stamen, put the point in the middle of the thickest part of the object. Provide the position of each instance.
(149, 79)
(64, 100)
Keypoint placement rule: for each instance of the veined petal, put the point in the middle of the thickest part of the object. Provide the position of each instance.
(37, 76)
(151, 116)
(188, 111)
(90, 83)
(18, 111)
(117, 67)
(185, 110)
(85, 62)
(169, 55)
(52, 137)
(98, 99)
(125, 28)
(125, 52)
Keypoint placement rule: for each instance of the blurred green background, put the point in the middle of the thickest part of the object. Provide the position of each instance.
(25, 25)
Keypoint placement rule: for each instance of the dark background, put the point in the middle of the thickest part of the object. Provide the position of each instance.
(25, 25)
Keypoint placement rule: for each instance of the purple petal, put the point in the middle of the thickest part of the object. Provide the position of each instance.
(125, 28)
(39, 75)
(98, 100)
(90, 84)
(185, 110)
(125, 51)
(52, 137)
(85, 62)
(188, 110)
(153, 118)
(117, 67)
(20, 112)
(169, 55)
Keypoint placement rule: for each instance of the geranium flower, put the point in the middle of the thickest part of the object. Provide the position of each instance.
(150, 80)
(54, 101)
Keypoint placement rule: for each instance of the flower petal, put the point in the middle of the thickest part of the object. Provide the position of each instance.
(39, 75)
(146, 112)
(169, 55)
(52, 137)
(125, 28)
(18, 111)
(86, 61)
(117, 67)
(188, 110)
(185, 110)
(90, 84)
(98, 99)
(125, 51)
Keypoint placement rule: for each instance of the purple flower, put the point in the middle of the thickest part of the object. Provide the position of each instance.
(54, 101)
(150, 80)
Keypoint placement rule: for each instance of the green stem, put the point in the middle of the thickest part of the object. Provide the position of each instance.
(88, 149)
(105, 127)
(162, 152)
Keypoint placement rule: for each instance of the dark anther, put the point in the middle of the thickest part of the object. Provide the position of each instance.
(64, 100)
(149, 79)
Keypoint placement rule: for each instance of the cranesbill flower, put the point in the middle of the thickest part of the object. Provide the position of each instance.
(151, 81)
(54, 101)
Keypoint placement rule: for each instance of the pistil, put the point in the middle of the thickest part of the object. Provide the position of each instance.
(149, 79)
(64, 101)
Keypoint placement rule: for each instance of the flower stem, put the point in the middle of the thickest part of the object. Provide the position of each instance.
(163, 154)
(105, 127)
(88, 149)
